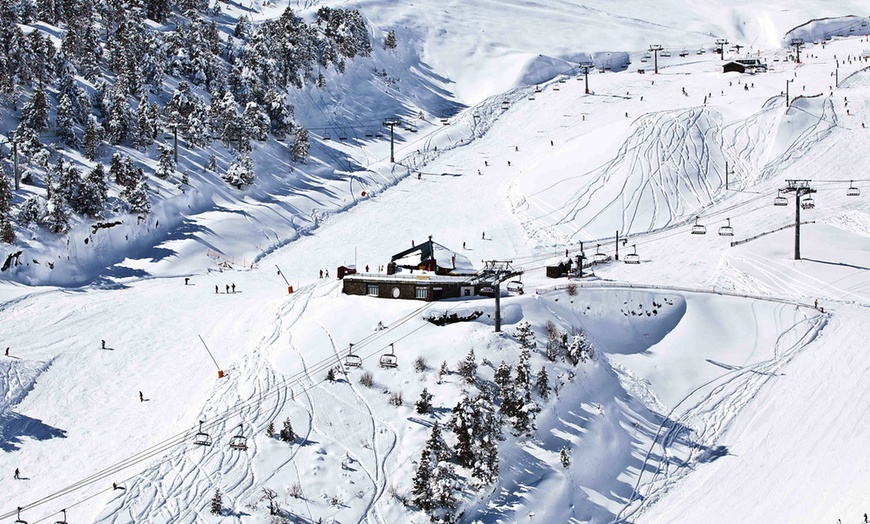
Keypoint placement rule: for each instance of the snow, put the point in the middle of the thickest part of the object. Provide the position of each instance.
(717, 391)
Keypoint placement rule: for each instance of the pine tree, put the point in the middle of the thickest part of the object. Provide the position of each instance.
(165, 163)
(525, 335)
(390, 40)
(65, 121)
(7, 233)
(422, 483)
(94, 192)
(445, 493)
(118, 127)
(240, 173)
(212, 163)
(580, 350)
(31, 211)
(35, 111)
(137, 197)
(424, 404)
(92, 139)
(468, 367)
(56, 217)
(301, 144)
(542, 383)
(287, 434)
(69, 184)
(565, 457)
(147, 124)
(217, 503)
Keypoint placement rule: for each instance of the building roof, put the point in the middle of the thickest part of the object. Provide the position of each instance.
(447, 259)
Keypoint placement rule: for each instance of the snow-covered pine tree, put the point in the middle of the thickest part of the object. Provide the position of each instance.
(69, 184)
(212, 164)
(565, 457)
(506, 391)
(56, 218)
(118, 126)
(525, 336)
(424, 404)
(64, 122)
(445, 493)
(217, 502)
(93, 137)
(270, 429)
(487, 433)
(94, 193)
(579, 350)
(287, 434)
(542, 383)
(240, 173)
(137, 196)
(421, 485)
(468, 367)
(390, 40)
(255, 122)
(35, 111)
(146, 124)
(462, 424)
(165, 163)
(301, 144)
(7, 233)
(31, 211)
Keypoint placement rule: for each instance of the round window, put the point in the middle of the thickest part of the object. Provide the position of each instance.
(396, 292)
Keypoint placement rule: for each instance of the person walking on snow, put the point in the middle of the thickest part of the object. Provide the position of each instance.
(233, 286)
(321, 273)
(104, 344)
(216, 290)
(17, 474)
(141, 398)
(7, 351)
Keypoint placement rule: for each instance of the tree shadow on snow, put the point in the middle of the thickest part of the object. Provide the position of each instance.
(15, 427)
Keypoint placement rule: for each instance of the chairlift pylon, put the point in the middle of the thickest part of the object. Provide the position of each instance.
(599, 257)
(239, 441)
(780, 200)
(389, 360)
(633, 257)
(726, 230)
(853, 191)
(351, 360)
(202, 438)
(64, 518)
(698, 229)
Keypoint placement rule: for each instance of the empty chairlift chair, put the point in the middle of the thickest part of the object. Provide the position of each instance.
(698, 229)
(202, 438)
(853, 191)
(726, 230)
(808, 203)
(327, 136)
(684, 53)
(505, 105)
(780, 200)
(633, 257)
(599, 257)
(342, 136)
(370, 133)
(239, 441)
(351, 360)
(63, 521)
(389, 360)
(18, 519)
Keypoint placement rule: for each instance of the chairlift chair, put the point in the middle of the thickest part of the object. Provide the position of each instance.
(327, 136)
(562, 80)
(369, 133)
(647, 56)
(445, 121)
(515, 286)
(239, 441)
(556, 87)
(780, 200)
(18, 519)
(808, 203)
(202, 438)
(700, 51)
(633, 257)
(412, 128)
(342, 136)
(379, 134)
(666, 53)
(684, 53)
(853, 191)
(389, 360)
(643, 59)
(505, 105)
(351, 360)
(531, 96)
(726, 230)
(598, 257)
(699, 229)
(64, 518)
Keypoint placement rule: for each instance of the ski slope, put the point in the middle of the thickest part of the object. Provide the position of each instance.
(735, 401)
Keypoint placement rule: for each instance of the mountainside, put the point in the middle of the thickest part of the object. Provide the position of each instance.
(180, 351)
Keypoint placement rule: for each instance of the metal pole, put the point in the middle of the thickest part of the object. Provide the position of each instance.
(786, 93)
(282, 274)
(586, 76)
(209, 352)
(656, 60)
(726, 175)
(837, 77)
(797, 225)
(392, 154)
(580, 258)
(497, 305)
(175, 139)
(617, 246)
(15, 161)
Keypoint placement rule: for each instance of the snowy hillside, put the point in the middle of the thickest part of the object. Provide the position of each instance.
(711, 384)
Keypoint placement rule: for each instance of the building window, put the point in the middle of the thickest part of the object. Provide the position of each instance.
(372, 290)
(421, 292)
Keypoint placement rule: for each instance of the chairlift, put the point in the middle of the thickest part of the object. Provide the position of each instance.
(239, 441)
(515, 286)
(18, 519)
(369, 133)
(280, 138)
(647, 56)
(531, 96)
(538, 88)
(412, 128)
(665, 53)
(562, 80)
(699, 229)
(202, 438)
(684, 53)
(726, 230)
(633, 257)
(342, 136)
(556, 87)
(851, 29)
(643, 59)
(808, 203)
(445, 121)
(327, 136)
(64, 518)
(700, 51)
(780, 200)
(505, 105)
(853, 191)
(351, 360)
(379, 134)
(599, 257)
(389, 360)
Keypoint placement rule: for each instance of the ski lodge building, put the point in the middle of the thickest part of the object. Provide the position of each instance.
(428, 271)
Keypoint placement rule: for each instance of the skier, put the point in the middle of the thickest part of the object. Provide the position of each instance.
(367, 268)
(478, 172)
(216, 289)
(516, 148)
(551, 142)
(227, 288)
(17, 474)
(234, 287)
(483, 236)
(816, 304)
(114, 485)
(104, 344)
(509, 163)
(186, 280)
(7, 351)
(321, 273)
(327, 273)
(141, 398)
(486, 163)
